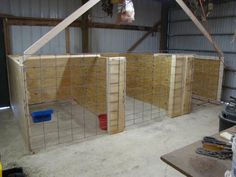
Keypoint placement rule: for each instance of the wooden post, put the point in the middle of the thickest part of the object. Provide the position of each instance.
(116, 74)
(85, 31)
(164, 27)
(7, 37)
(67, 31)
(60, 27)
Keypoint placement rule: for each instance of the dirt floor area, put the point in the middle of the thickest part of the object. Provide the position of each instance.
(134, 153)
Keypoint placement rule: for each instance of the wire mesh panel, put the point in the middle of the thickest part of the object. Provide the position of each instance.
(147, 97)
(74, 87)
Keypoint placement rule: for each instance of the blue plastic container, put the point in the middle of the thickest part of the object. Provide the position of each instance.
(42, 116)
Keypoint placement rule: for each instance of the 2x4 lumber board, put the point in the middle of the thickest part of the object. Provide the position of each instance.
(220, 81)
(172, 86)
(121, 27)
(32, 21)
(200, 27)
(7, 37)
(67, 31)
(60, 27)
(85, 31)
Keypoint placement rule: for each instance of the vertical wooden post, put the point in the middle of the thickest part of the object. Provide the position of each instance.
(164, 27)
(67, 32)
(7, 37)
(116, 72)
(85, 31)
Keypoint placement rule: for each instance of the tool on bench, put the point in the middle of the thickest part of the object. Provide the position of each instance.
(215, 148)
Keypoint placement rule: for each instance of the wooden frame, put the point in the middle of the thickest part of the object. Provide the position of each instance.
(24, 77)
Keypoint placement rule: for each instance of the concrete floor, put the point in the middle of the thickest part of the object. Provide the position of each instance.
(133, 153)
(70, 123)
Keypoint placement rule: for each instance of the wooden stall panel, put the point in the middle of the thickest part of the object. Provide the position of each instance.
(161, 80)
(48, 78)
(180, 99)
(18, 95)
(207, 78)
(89, 83)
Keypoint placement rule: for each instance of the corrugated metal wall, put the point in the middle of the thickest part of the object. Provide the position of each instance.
(23, 36)
(184, 37)
(147, 13)
(101, 40)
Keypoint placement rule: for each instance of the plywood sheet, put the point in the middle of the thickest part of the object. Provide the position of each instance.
(18, 95)
(207, 78)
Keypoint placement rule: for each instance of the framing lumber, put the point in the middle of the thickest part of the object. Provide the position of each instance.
(67, 31)
(60, 27)
(153, 29)
(121, 27)
(85, 31)
(200, 27)
(7, 37)
(164, 26)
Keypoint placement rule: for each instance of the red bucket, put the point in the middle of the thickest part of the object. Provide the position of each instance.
(102, 121)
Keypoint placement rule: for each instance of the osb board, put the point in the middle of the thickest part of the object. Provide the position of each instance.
(48, 79)
(116, 69)
(147, 78)
(89, 83)
(64, 77)
(180, 85)
(18, 95)
(207, 78)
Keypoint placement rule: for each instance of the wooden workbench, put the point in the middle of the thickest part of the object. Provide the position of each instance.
(191, 164)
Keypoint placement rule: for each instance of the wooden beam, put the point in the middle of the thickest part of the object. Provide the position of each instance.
(7, 37)
(164, 27)
(121, 27)
(60, 27)
(67, 35)
(136, 44)
(25, 21)
(200, 27)
(85, 31)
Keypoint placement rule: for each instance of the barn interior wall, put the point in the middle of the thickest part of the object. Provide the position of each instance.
(184, 37)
